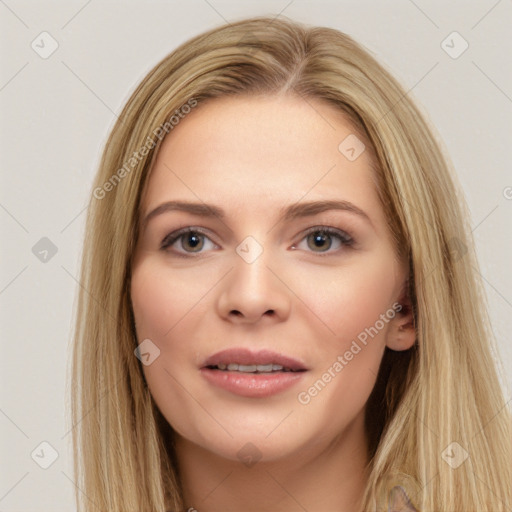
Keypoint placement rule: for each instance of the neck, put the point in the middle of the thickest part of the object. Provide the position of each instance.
(318, 477)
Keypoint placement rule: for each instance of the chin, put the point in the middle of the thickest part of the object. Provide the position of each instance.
(248, 443)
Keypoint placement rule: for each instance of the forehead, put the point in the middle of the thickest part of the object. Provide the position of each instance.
(260, 152)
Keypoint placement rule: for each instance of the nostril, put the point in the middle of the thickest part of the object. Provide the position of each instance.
(235, 312)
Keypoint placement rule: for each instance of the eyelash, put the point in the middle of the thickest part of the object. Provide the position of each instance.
(345, 239)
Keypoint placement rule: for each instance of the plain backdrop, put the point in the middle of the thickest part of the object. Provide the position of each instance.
(58, 108)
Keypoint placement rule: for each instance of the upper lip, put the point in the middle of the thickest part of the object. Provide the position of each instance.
(245, 356)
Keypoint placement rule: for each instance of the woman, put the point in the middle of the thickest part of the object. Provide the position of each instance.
(278, 296)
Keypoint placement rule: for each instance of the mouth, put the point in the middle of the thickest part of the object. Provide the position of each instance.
(244, 360)
(252, 368)
(252, 374)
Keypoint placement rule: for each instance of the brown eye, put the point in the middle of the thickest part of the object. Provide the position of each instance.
(322, 239)
(192, 240)
(319, 240)
(186, 241)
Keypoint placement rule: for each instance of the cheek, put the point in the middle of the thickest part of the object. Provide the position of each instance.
(169, 307)
(356, 304)
(160, 301)
(350, 299)
(165, 310)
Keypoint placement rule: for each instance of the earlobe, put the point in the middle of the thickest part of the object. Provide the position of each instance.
(401, 334)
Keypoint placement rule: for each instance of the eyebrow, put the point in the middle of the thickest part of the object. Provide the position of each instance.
(288, 213)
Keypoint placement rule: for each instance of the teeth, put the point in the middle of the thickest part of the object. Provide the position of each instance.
(247, 368)
(252, 368)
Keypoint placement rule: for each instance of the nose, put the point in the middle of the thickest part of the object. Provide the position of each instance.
(254, 291)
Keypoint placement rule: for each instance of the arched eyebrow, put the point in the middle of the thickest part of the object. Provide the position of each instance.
(288, 213)
(311, 208)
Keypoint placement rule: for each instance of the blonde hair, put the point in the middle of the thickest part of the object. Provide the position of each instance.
(445, 389)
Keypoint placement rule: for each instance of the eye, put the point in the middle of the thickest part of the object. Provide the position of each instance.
(188, 241)
(321, 239)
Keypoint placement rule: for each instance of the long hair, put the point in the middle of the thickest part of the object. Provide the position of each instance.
(437, 423)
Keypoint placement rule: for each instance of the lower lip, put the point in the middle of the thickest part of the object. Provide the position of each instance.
(255, 385)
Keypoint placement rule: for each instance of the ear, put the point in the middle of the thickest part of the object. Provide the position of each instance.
(401, 333)
(399, 501)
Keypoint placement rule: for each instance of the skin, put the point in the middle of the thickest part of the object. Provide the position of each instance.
(252, 156)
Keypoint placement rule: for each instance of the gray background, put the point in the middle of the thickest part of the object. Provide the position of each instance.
(57, 111)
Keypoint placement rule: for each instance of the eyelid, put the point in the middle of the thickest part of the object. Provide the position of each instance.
(343, 234)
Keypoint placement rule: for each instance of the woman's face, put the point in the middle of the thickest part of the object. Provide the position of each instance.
(258, 179)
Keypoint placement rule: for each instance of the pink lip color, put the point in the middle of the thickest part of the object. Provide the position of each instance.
(256, 385)
(252, 385)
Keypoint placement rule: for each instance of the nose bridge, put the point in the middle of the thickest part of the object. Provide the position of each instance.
(251, 269)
